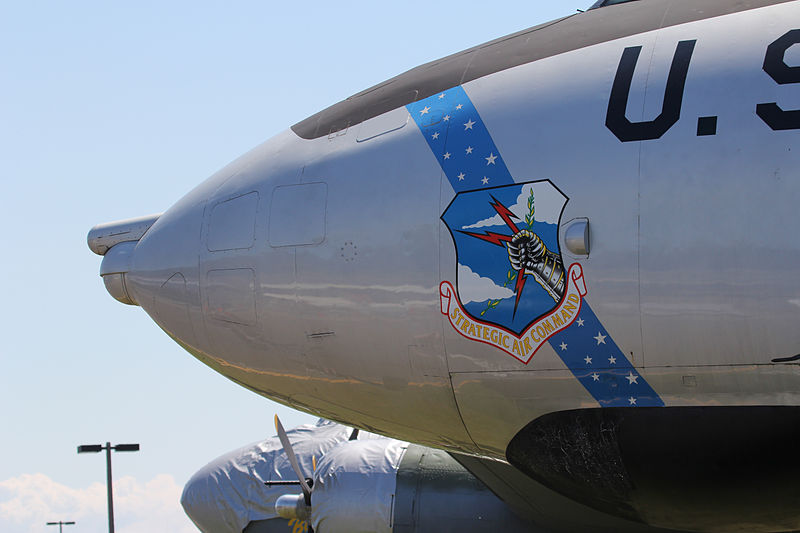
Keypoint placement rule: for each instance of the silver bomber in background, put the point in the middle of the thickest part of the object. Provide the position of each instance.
(369, 484)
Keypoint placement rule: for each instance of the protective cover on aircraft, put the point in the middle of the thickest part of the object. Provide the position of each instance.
(355, 486)
(229, 493)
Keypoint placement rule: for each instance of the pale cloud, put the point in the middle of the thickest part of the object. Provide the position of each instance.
(475, 288)
(548, 203)
(29, 501)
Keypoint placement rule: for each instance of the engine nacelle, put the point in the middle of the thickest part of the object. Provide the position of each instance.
(372, 484)
(389, 486)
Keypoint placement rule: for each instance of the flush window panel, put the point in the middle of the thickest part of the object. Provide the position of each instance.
(384, 122)
(232, 223)
(297, 214)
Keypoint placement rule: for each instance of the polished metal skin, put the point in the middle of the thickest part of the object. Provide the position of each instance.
(308, 270)
(116, 263)
(292, 506)
(105, 236)
(576, 236)
(119, 238)
(435, 493)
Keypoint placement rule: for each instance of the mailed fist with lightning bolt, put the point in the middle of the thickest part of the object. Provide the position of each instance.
(528, 255)
(525, 250)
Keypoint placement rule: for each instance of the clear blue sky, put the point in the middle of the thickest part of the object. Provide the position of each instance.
(110, 110)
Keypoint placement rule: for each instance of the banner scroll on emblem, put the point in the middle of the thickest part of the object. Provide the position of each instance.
(534, 336)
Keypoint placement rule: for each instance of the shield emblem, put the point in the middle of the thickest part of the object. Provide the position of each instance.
(512, 288)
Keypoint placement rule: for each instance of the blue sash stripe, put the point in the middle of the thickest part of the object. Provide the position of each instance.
(602, 368)
(461, 143)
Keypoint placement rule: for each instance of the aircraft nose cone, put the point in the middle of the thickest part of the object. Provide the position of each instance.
(115, 241)
(163, 274)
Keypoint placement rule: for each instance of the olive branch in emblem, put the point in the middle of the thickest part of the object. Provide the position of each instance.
(491, 304)
(499, 240)
(529, 218)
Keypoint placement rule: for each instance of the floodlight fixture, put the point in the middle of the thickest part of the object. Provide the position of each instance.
(60, 525)
(94, 448)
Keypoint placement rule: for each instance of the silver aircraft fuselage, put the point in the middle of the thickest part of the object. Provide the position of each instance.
(315, 269)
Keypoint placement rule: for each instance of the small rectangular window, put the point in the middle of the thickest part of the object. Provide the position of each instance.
(232, 223)
(383, 122)
(297, 214)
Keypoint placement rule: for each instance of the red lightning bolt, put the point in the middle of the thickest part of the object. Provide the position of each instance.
(499, 240)
(521, 279)
(494, 238)
(505, 214)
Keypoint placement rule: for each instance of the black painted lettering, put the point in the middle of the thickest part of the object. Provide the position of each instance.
(775, 65)
(618, 123)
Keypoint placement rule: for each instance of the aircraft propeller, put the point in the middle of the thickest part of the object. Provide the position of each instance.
(297, 506)
(294, 505)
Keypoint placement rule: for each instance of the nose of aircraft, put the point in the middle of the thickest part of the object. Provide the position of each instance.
(153, 262)
(115, 241)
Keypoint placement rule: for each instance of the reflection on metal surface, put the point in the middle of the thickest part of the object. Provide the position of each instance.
(172, 309)
(105, 236)
(436, 493)
(576, 236)
(384, 123)
(232, 223)
(230, 295)
(116, 264)
(116, 287)
(297, 214)
(293, 507)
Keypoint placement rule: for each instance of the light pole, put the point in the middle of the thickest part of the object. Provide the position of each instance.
(61, 525)
(95, 448)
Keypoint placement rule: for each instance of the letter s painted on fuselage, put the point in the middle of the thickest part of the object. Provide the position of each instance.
(775, 65)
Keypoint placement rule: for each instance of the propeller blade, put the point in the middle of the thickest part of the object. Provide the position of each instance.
(287, 447)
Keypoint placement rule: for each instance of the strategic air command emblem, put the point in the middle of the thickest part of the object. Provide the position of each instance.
(512, 289)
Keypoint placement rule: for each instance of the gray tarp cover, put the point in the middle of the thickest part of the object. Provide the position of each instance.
(355, 486)
(229, 492)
